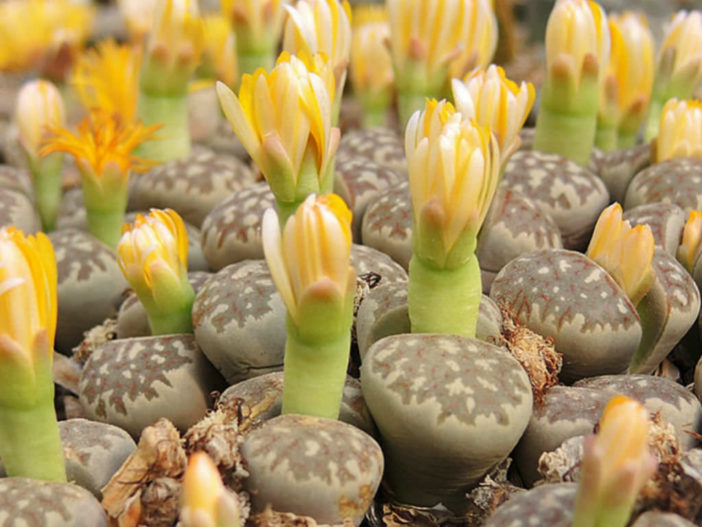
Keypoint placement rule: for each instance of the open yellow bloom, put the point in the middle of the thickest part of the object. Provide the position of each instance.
(626, 90)
(205, 500)
(104, 141)
(691, 240)
(577, 40)
(28, 304)
(42, 33)
(107, 77)
(453, 171)
(680, 130)
(320, 26)
(153, 255)
(371, 64)
(283, 119)
(481, 44)
(492, 100)
(39, 106)
(311, 259)
(626, 253)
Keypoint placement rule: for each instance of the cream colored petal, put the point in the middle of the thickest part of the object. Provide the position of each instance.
(239, 121)
(272, 250)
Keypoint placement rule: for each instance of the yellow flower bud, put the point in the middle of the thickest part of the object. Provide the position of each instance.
(138, 16)
(312, 255)
(371, 64)
(683, 45)
(39, 106)
(680, 130)
(205, 500)
(626, 253)
(28, 304)
(479, 47)
(691, 240)
(453, 170)
(492, 100)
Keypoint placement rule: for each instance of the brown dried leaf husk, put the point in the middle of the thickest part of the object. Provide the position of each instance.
(535, 353)
(271, 518)
(158, 455)
(94, 338)
(670, 489)
(160, 502)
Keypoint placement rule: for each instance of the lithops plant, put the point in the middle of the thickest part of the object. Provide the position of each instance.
(571, 194)
(264, 395)
(666, 221)
(564, 412)
(93, 452)
(661, 519)
(448, 409)
(131, 383)
(231, 232)
(514, 226)
(192, 186)
(382, 145)
(359, 181)
(239, 321)
(17, 209)
(565, 295)
(384, 312)
(547, 505)
(617, 168)
(667, 312)
(677, 406)
(33, 503)
(387, 223)
(16, 179)
(677, 181)
(311, 466)
(90, 285)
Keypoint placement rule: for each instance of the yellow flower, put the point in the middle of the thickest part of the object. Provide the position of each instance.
(153, 256)
(493, 100)
(311, 259)
(283, 119)
(42, 33)
(28, 304)
(626, 253)
(577, 40)
(320, 26)
(104, 140)
(39, 105)
(425, 37)
(371, 64)
(319, 64)
(680, 130)
(174, 47)
(138, 16)
(691, 240)
(254, 17)
(205, 500)
(107, 77)
(481, 43)
(626, 91)
(680, 58)
(218, 52)
(453, 171)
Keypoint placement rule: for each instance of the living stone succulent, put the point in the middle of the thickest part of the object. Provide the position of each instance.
(565, 295)
(289, 472)
(448, 409)
(677, 181)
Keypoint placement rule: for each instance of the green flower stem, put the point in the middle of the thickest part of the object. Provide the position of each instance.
(375, 108)
(250, 60)
(46, 178)
(654, 119)
(315, 373)
(627, 139)
(105, 225)
(173, 140)
(606, 138)
(444, 300)
(407, 104)
(286, 209)
(179, 320)
(30, 444)
(567, 134)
